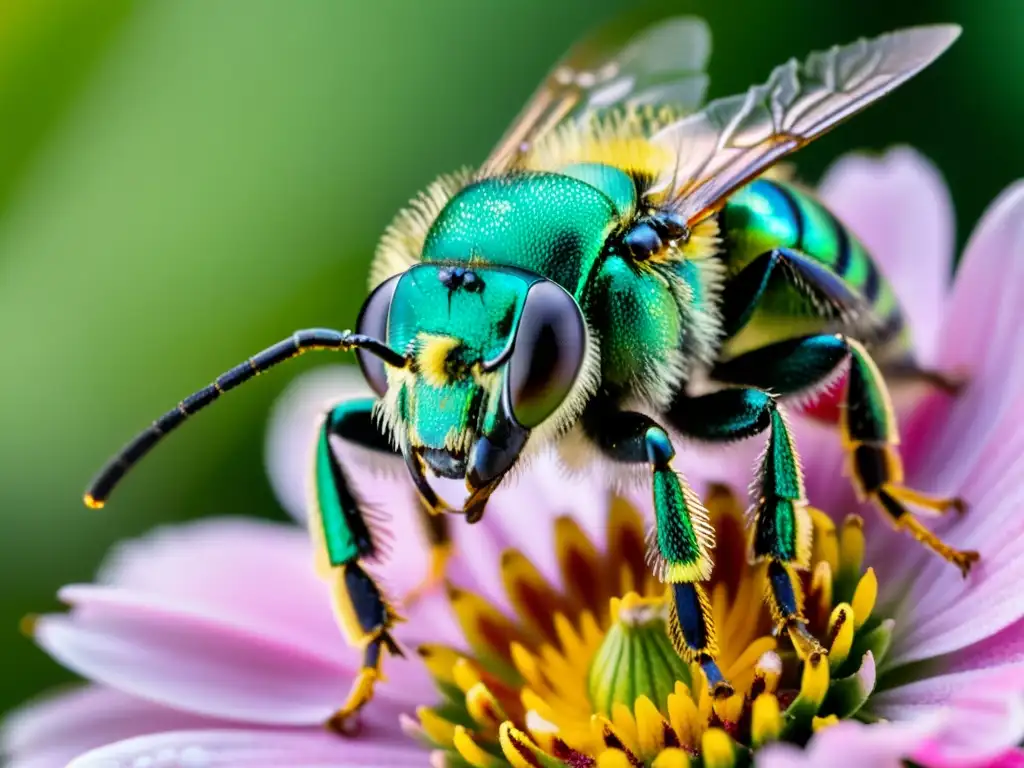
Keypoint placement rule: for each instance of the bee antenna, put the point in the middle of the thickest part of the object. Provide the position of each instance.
(299, 342)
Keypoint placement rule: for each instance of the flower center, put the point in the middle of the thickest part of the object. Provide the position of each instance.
(584, 675)
(635, 658)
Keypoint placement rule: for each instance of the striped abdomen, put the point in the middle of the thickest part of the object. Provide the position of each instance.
(769, 214)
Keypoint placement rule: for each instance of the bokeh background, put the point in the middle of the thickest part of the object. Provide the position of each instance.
(183, 182)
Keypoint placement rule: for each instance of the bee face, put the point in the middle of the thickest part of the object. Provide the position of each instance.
(493, 351)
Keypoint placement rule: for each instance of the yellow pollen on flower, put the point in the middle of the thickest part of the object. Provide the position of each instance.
(582, 673)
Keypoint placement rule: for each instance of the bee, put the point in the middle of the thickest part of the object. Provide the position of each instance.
(620, 269)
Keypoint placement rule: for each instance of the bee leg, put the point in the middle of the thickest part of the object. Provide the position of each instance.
(680, 543)
(367, 619)
(868, 424)
(871, 439)
(437, 529)
(819, 288)
(343, 539)
(354, 423)
(781, 523)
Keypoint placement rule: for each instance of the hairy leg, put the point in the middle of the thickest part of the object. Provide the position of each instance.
(868, 425)
(781, 523)
(680, 543)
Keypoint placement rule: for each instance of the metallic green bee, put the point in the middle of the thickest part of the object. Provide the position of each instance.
(617, 270)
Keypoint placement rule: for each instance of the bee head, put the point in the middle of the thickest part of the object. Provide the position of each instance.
(495, 353)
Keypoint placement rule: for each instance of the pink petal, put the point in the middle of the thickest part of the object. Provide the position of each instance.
(51, 731)
(250, 573)
(198, 663)
(983, 713)
(900, 208)
(256, 749)
(983, 336)
(850, 744)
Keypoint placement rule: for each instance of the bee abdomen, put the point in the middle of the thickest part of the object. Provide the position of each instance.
(769, 214)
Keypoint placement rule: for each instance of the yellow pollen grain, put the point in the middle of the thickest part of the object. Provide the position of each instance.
(864, 597)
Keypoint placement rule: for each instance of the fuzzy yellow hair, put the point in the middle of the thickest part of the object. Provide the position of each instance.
(619, 139)
(402, 242)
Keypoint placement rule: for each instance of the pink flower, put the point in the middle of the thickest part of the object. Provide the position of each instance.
(213, 644)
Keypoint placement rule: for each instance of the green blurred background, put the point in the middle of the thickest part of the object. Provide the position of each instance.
(183, 182)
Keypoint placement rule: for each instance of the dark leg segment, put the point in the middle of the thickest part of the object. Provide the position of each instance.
(868, 424)
(826, 293)
(782, 526)
(364, 614)
(680, 544)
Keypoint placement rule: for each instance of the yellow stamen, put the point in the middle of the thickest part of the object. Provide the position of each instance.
(851, 545)
(609, 735)
(613, 758)
(438, 730)
(765, 720)
(729, 709)
(864, 597)
(813, 687)
(685, 719)
(516, 745)
(471, 751)
(465, 675)
(840, 628)
(483, 707)
(650, 726)
(826, 542)
(439, 661)
(671, 758)
(718, 749)
(821, 586)
(587, 675)
(818, 723)
(768, 669)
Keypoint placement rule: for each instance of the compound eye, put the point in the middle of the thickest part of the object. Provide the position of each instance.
(549, 347)
(373, 321)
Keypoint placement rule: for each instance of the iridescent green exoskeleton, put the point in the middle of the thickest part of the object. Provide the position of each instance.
(620, 270)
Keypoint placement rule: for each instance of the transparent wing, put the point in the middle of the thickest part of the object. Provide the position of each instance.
(736, 138)
(629, 60)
